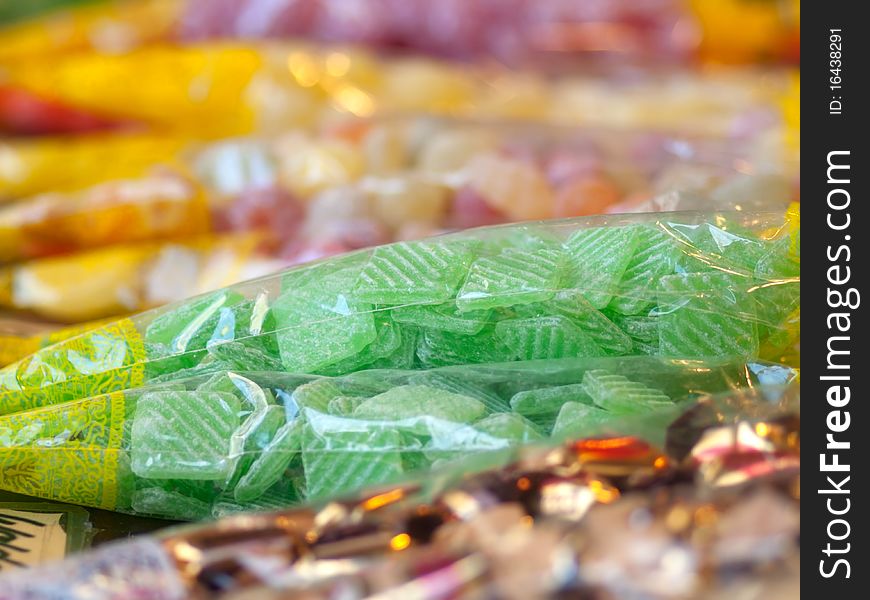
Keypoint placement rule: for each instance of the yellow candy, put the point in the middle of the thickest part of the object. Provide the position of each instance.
(308, 166)
(59, 164)
(512, 186)
(199, 90)
(106, 26)
(126, 278)
(156, 207)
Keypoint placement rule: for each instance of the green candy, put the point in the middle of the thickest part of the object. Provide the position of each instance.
(253, 437)
(545, 337)
(620, 396)
(414, 272)
(318, 328)
(509, 426)
(415, 401)
(271, 463)
(542, 405)
(599, 257)
(579, 420)
(443, 317)
(158, 502)
(512, 277)
(656, 255)
(340, 455)
(441, 348)
(706, 314)
(183, 435)
(594, 323)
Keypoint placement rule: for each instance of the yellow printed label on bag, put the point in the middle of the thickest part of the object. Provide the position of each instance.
(106, 359)
(68, 452)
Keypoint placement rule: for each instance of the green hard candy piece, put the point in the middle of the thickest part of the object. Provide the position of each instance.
(340, 455)
(317, 328)
(183, 435)
(190, 325)
(444, 317)
(414, 272)
(707, 247)
(579, 420)
(158, 502)
(621, 396)
(402, 357)
(512, 277)
(508, 426)
(778, 291)
(594, 323)
(441, 348)
(316, 394)
(461, 386)
(279, 497)
(599, 257)
(705, 315)
(344, 405)
(543, 404)
(643, 331)
(270, 465)
(545, 337)
(656, 255)
(388, 340)
(219, 382)
(244, 355)
(252, 437)
(337, 274)
(415, 401)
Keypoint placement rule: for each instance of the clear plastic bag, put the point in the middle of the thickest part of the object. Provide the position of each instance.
(680, 285)
(711, 508)
(220, 443)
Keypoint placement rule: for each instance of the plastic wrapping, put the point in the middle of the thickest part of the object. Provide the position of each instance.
(161, 206)
(127, 278)
(233, 441)
(712, 512)
(684, 285)
(224, 89)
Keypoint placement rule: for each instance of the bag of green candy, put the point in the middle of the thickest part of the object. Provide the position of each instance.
(224, 442)
(678, 285)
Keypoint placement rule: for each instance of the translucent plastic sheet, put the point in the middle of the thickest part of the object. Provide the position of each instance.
(680, 285)
(207, 446)
(711, 510)
(127, 278)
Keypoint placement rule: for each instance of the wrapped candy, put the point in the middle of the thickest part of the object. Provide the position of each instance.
(604, 516)
(232, 441)
(126, 278)
(161, 206)
(41, 165)
(515, 31)
(219, 89)
(682, 285)
(110, 27)
(308, 196)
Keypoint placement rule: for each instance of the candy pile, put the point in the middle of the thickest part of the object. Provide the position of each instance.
(684, 285)
(714, 514)
(237, 209)
(212, 445)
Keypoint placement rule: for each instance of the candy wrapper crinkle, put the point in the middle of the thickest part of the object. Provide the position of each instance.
(709, 511)
(681, 285)
(230, 441)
